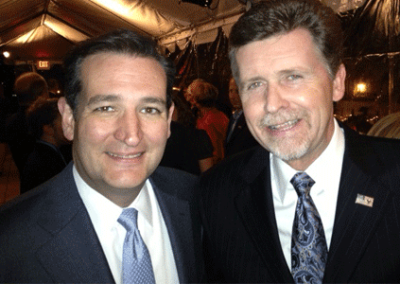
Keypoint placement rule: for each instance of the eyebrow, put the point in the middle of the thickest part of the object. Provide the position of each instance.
(102, 98)
(242, 83)
(154, 100)
(113, 98)
(294, 70)
(281, 72)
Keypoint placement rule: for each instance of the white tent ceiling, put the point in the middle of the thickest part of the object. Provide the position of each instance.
(47, 29)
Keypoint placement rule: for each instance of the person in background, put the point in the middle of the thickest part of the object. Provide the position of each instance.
(112, 215)
(188, 148)
(316, 202)
(5, 108)
(210, 119)
(388, 126)
(28, 87)
(46, 160)
(238, 137)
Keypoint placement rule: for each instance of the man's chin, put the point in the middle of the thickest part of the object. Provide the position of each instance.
(289, 153)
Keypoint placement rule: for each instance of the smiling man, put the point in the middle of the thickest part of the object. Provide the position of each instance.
(315, 202)
(112, 215)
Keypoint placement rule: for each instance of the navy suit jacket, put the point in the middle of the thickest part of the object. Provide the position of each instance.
(46, 235)
(241, 236)
(43, 163)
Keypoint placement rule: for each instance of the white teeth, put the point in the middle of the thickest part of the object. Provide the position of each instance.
(124, 156)
(284, 126)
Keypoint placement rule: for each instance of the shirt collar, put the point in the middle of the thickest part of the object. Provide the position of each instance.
(332, 155)
(143, 203)
(105, 213)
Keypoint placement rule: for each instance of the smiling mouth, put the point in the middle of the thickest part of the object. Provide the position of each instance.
(284, 126)
(124, 156)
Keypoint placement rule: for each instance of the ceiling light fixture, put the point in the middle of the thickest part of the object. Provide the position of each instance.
(203, 3)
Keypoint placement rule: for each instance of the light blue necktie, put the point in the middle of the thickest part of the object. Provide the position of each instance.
(136, 261)
(309, 249)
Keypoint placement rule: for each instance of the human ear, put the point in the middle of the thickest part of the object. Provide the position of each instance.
(67, 118)
(170, 112)
(339, 83)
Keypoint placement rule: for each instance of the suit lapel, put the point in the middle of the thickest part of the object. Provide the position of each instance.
(355, 224)
(255, 206)
(73, 252)
(238, 127)
(176, 214)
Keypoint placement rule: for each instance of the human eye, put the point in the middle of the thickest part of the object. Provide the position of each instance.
(294, 77)
(253, 85)
(104, 109)
(150, 110)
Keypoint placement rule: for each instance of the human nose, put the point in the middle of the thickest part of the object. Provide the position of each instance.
(129, 129)
(274, 99)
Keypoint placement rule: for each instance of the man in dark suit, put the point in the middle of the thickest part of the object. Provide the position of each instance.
(28, 87)
(238, 137)
(316, 202)
(81, 226)
(46, 159)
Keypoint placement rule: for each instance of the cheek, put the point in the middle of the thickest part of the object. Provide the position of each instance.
(95, 132)
(252, 108)
(312, 99)
(157, 133)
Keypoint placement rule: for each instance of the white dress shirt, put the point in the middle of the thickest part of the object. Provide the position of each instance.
(104, 215)
(326, 172)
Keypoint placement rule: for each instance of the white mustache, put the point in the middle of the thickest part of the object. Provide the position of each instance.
(278, 119)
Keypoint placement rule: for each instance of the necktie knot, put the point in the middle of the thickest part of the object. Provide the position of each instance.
(302, 183)
(128, 219)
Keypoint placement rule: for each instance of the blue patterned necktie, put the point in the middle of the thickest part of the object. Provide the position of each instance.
(136, 261)
(309, 249)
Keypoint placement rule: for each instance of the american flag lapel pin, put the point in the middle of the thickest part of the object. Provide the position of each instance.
(364, 200)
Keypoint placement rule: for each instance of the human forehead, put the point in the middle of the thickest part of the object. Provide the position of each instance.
(110, 62)
(279, 53)
(116, 72)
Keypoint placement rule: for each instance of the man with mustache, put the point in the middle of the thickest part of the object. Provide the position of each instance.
(316, 202)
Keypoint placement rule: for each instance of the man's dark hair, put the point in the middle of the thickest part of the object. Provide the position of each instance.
(43, 111)
(123, 42)
(278, 17)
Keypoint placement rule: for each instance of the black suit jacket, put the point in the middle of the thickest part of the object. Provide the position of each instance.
(241, 237)
(46, 235)
(20, 142)
(240, 139)
(42, 164)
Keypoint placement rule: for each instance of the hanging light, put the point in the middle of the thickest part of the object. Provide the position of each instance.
(203, 3)
(361, 88)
